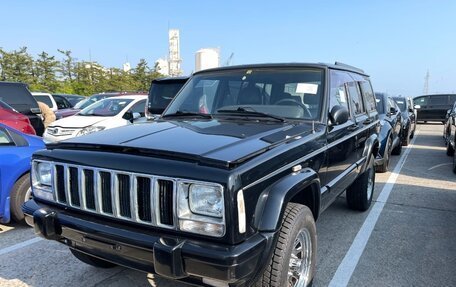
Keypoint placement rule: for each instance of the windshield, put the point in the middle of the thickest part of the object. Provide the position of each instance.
(105, 108)
(161, 93)
(380, 105)
(286, 93)
(401, 103)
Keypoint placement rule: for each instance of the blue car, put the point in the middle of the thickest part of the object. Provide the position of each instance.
(390, 136)
(16, 149)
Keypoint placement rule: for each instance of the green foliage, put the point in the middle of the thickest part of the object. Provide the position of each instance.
(47, 74)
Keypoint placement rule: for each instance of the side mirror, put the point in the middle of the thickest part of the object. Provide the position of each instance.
(393, 110)
(136, 116)
(411, 110)
(417, 107)
(35, 111)
(338, 115)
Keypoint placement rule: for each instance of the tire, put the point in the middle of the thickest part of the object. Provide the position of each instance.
(449, 148)
(360, 193)
(454, 163)
(406, 140)
(397, 150)
(96, 262)
(298, 229)
(21, 192)
(387, 155)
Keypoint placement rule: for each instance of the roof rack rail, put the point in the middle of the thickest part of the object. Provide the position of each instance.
(348, 66)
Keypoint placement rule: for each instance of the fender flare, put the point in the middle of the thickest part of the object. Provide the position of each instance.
(272, 201)
(372, 146)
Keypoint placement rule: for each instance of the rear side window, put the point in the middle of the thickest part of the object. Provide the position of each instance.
(5, 140)
(44, 99)
(368, 94)
(438, 100)
(420, 101)
(355, 98)
(62, 103)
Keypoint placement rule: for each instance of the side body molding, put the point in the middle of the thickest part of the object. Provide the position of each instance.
(272, 201)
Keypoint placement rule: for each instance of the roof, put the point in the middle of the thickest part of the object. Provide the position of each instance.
(336, 66)
(444, 94)
(165, 79)
(132, 97)
(13, 83)
(40, 94)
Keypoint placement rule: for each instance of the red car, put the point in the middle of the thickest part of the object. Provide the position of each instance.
(14, 119)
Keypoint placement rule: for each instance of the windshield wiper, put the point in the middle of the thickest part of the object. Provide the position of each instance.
(187, 114)
(250, 112)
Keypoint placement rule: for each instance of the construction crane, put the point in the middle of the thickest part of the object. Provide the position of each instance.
(228, 62)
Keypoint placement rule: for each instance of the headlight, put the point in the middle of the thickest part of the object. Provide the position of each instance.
(42, 180)
(43, 172)
(201, 208)
(89, 130)
(206, 200)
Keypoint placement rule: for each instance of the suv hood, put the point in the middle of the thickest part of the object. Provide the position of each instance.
(214, 142)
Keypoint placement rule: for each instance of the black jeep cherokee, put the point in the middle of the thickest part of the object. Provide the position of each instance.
(225, 188)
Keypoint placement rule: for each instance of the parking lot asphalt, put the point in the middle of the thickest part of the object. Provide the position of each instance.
(406, 238)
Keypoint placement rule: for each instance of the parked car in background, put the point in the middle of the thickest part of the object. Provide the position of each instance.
(72, 99)
(104, 114)
(450, 131)
(433, 107)
(390, 130)
(16, 149)
(19, 97)
(408, 119)
(59, 105)
(96, 97)
(14, 119)
(161, 92)
(92, 99)
(225, 187)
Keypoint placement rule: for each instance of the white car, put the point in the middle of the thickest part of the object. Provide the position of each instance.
(105, 114)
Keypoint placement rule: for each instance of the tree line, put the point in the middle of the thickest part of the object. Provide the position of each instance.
(46, 73)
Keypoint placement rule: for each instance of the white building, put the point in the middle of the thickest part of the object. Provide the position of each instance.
(207, 58)
(126, 67)
(174, 53)
(162, 66)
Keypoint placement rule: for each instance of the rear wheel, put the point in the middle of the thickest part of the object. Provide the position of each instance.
(294, 258)
(406, 140)
(21, 193)
(359, 194)
(386, 157)
(88, 259)
(397, 150)
(454, 163)
(449, 148)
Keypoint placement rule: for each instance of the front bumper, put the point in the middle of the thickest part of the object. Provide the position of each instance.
(169, 256)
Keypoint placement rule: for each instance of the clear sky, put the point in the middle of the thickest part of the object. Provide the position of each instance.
(395, 42)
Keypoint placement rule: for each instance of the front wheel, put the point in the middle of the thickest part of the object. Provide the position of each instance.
(294, 258)
(21, 193)
(359, 194)
(88, 259)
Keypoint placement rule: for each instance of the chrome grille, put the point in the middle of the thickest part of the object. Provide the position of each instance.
(128, 196)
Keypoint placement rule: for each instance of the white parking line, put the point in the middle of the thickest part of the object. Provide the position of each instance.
(19, 245)
(347, 266)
